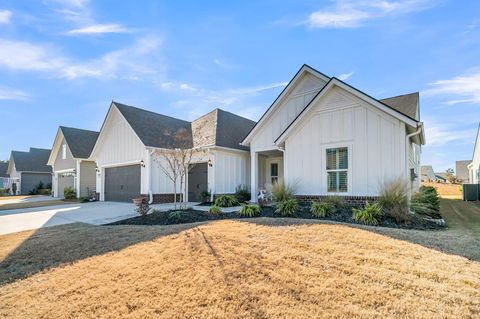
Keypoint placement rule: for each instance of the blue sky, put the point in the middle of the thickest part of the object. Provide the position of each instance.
(62, 62)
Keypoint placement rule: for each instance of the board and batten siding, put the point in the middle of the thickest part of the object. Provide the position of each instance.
(87, 177)
(230, 169)
(64, 163)
(375, 141)
(287, 110)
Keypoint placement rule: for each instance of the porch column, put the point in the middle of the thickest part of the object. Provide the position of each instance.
(254, 175)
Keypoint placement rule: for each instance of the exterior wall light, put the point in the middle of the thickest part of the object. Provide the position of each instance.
(210, 164)
(97, 169)
(142, 163)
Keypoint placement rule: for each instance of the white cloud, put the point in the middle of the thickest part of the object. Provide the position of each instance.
(13, 94)
(354, 13)
(466, 88)
(128, 63)
(99, 29)
(441, 134)
(5, 16)
(345, 76)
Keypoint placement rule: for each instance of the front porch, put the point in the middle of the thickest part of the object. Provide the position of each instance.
(267, 168)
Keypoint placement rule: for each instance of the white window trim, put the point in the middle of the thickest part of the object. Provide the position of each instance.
(349, 170)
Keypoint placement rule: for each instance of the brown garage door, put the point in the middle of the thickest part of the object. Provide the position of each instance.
(122, 183)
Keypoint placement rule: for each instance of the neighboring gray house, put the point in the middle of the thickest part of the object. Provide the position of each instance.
(441, 177)
(28, 169)
(427, 174)
(4, 177)
(461, 170)
(69, 161)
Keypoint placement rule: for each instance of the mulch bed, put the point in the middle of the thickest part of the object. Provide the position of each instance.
(343, 215)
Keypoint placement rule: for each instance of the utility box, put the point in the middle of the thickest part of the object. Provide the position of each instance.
(471, 192)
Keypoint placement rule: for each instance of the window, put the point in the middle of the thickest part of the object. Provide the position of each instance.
(274, 172)
(64, 151)
(337, 170)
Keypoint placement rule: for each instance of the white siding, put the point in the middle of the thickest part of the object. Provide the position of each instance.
(414, 155)
(286, 112)
(230, 169)
(475, 165)
(161, 183)
(375, 141)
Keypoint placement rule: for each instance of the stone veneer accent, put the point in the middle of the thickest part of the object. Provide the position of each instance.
(164, 198)
(350, 200)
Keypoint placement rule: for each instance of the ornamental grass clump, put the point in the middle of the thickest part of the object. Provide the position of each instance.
(287, 207)
(369, 215)
(282, 191)
(214, 210)
(393, 199)
(249, 210)
(335, 201)
(321, 209)
(226, 201)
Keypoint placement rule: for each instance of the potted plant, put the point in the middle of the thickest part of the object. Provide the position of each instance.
(139, 200)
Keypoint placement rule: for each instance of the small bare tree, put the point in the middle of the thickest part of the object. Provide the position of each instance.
(170, 166)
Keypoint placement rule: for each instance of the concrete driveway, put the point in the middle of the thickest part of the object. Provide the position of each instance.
(95, 213)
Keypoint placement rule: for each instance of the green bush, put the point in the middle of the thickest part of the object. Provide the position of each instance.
(226, 201)
(369, 215)
(287, 207)
(249, 210)
(321, 209)
(2, 192)
(176, 215)
(214, 210)
(335, 201)
(205, 195)
(242, 194)
(426, 202)
(282, 192)
(69, 193)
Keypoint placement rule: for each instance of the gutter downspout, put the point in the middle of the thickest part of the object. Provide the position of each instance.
(407, 145)
(149, 175)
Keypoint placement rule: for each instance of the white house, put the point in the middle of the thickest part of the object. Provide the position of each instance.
(129, 147)
(69, 161)
(328, 137)
(474, 166)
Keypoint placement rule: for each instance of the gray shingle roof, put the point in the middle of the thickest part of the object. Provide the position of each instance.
(3, 169)
(221, 128)
(34, 160)
(218, 127)
(80, 142)
(153, 129)
(406, 104)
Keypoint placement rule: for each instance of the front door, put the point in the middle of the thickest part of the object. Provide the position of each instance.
(197, 181)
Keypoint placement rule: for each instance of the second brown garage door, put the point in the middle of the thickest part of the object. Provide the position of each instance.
(122, 183)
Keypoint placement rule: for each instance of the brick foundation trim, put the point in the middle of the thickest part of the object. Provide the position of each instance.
(349, 200)
(164, 198)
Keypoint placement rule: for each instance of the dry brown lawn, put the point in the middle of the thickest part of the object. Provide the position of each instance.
(231, 269)
(13, 197)
(451, 191)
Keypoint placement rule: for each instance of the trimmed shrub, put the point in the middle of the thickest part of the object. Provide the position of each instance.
(426, 202)
(226, 201)
(205, 195)
(369, 215)
(393, 199)
(214, 210)
(282, 192)
(242, 193)
(321, 209)
(335, 201)
(287, 207)
(249, 210)
(69, 193)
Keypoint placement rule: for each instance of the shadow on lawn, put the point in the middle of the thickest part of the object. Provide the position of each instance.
(54, 246)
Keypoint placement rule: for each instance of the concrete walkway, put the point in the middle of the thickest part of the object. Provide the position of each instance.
(95, 213)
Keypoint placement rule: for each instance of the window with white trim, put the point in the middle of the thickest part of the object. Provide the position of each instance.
(337, 170)
(274, 172)
(64, 151)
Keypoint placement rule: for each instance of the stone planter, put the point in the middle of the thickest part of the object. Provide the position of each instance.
(139, 200)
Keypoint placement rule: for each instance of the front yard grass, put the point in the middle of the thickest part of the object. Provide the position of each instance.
(231, 269)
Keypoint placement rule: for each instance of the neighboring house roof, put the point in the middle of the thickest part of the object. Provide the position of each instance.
(427, 171)
(35, 160)
(3, 169)
(79, 141)
(441, 176)
(406, 104)
(153, 129)
(221, 128)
